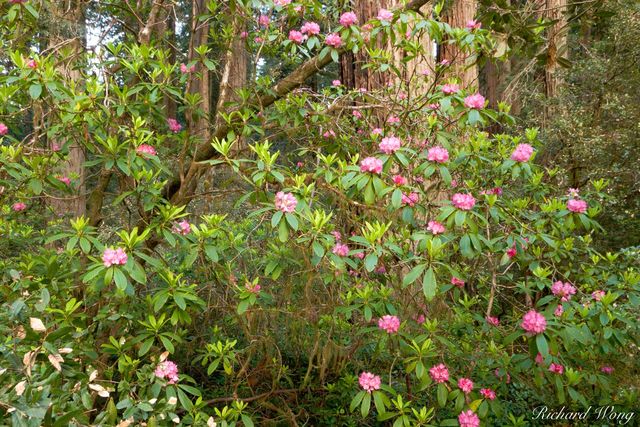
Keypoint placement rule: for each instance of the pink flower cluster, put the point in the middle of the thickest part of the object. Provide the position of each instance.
(371, 164)
(168, 370)
(607, 370)
(475, 101)
(348, 19)
(468, 418)
(558, 311)
(184, 69)
(598, 295)
(114, 257)
(435, 227)
(577, 205)
(3, 129)
(466, 385)
(341, 249)
(334, 40)
(64, 179)
(146, 149)
(522, 153)
(399, 180)
(487, 393)
(310, 28)
(389, 324)
(438, 155)
(385, 15)
(563, 290)
(457, 282)
(493, 321)
(439, 373)
(369, 382)
(183, 227)
(410, 199)
(174, 126)
(473, 25)
(390, 144)
(556, 368)
(254, 288)
(450, 88)
(285, 202)
(534, 322)
(463, 202)
(296, 36)
(281, 3)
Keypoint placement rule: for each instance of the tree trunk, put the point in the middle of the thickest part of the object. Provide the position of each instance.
(555, 10)
(463, 64)
(67, 36)
(199, 81)
(354, 76)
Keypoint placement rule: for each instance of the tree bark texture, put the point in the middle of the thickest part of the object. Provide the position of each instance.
(463, 64)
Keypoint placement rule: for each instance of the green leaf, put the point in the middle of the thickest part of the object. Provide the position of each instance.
(442, 394)
(371, 261)
(379, 403)
(247, 420)
(413, 275)
(429, 284)
(275, 219)
(35, 90)
(543, 346)
(120, 279)
(283, 232)
(355, 402)
(366, 405)
(292, 220)
(396, 198)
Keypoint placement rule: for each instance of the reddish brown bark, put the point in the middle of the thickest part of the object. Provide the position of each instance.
(463, 63)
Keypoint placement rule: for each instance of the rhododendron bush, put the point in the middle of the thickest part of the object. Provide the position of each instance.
(328, 255)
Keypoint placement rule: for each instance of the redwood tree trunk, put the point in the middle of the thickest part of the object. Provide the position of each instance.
(463, 64)
(555, 10)
(199, 81)
(69, 16)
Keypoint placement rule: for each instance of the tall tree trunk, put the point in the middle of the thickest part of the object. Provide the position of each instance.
(555, 10)
(66, 41)
(351, 71)
(199, 81)
(463, 63)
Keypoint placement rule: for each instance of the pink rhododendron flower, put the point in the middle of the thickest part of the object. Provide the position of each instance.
(334, 40)
(439, 373)
(296, 36)
(371, 164)
(438, 155)
(457, 282)
(556, 368)
(244, 35)
(357, 114)
(563, 290)
(299, 164)
(487, 393)
(264, 21)
(347, 19)
(475, 101)
(258, 39)
(17, 1)
(336, 83)
(167, 370)
(369, 382)
(493, 321)
(558, 311)
(114, 257)
(450, 89)
(183, 227)
(390, 144)
(174, 125)
(512, 251)
(577, 205)
(310, 28)
(393, 119)
(435, 227)
(389, 324)
(336, 235)
(3, 129)
(254, 288)
(285, 202)
(329, 134)
(463, 202)
(18, 207)
(598, 295)
(341, 249)
(359, 255)
(184, 69)
(522, 153)
(146, 149)
(65, 179)
(399, 180)
(32, 64)
(573, 192)
(465, 384)
(539, 359)
(534, 322)
(410, 199)
(385, 15)
(607, 370)
(473, 25)
(281, 3)
(468, 419)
